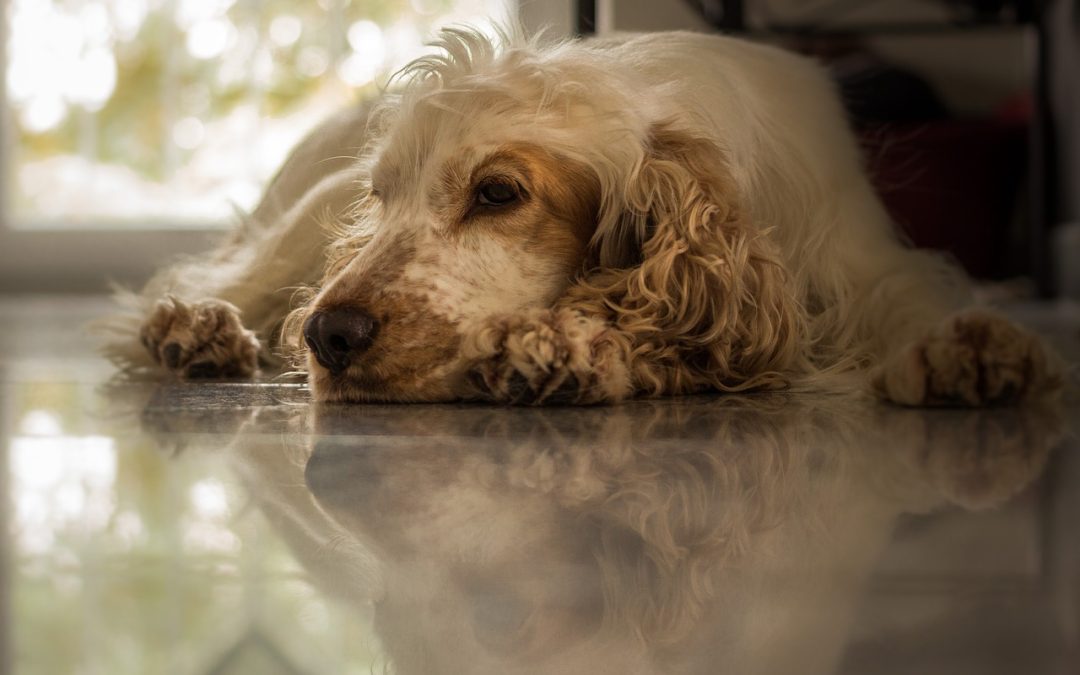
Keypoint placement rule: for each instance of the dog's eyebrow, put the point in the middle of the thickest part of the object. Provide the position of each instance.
(502, 157)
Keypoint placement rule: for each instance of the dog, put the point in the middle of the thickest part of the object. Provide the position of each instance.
(583, 222)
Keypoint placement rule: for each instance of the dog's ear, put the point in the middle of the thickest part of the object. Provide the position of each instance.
(685, 275)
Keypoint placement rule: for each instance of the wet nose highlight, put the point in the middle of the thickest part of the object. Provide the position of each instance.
(336, 336)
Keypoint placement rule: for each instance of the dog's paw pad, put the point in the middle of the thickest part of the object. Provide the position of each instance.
(518, 389)
(970, 359)
(567, 393)
(171, 355)
(205, 370)
(200, 340)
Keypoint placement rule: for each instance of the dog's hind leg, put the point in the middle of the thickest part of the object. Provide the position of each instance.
(971, 358)
(928, 347)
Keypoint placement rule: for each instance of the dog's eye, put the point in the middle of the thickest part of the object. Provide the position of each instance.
(497, 193)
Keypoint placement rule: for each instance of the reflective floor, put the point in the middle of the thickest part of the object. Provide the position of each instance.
(231, 528)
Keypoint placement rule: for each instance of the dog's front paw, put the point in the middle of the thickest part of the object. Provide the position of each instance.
(970, 359)
(546, 356)
(200, 339)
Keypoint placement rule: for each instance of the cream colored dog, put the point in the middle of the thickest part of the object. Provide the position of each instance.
(583, 222)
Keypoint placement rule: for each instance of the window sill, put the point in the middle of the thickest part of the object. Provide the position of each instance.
(88, 260)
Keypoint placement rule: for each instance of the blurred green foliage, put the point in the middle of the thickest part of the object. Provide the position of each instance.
(158, 80)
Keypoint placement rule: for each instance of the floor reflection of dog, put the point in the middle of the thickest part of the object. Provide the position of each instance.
(700, 536)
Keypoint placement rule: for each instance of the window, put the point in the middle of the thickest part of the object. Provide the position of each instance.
(144, 113)
(134, 127)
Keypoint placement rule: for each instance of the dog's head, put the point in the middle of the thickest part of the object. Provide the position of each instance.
(496, 177)
(480, 199)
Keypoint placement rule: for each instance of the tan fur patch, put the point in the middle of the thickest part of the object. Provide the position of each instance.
(558, 212)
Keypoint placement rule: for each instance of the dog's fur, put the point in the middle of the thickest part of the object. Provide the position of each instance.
(690, 215)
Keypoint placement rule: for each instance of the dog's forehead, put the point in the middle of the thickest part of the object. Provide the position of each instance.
(428, 135)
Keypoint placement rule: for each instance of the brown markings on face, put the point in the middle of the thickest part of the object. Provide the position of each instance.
(554, 217)
(411, 342)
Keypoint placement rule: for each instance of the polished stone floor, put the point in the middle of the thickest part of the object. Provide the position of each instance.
(234, 528)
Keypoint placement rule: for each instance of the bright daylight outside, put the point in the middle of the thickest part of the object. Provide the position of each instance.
(166, 113)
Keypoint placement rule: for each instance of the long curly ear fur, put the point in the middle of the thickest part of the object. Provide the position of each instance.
(698, 295)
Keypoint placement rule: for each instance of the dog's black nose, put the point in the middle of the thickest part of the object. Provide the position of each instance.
(336, 335)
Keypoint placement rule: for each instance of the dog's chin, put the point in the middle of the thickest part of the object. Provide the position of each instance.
(358, 387)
